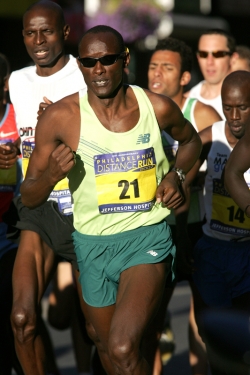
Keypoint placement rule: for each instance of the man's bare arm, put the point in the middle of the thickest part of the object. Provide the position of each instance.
(205, 115)
(237, 164)
(52, 157)
(171, 119)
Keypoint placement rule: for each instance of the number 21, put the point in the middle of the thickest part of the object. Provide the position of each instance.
(125, 184)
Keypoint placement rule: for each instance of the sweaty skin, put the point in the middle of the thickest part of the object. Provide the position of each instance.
(115, 105)
(44, 35)
(41, 176)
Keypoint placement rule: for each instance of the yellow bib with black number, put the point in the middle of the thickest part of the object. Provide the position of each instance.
(227, 217)
(60, 193)
(125, 181)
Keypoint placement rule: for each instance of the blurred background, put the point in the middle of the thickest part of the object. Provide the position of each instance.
(141, 23)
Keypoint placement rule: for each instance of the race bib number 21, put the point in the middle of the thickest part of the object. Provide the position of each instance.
(125, 181)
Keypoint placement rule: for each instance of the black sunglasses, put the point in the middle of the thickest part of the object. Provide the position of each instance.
(89, 62)
(216, 54)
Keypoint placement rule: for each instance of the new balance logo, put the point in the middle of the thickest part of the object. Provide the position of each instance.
(152, 252)
(143, 138)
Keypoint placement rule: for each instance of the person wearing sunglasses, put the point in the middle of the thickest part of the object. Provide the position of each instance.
(169, 72)
(216, 48)
(108, 143)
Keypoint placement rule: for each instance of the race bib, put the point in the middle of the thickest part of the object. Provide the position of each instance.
(61, 193)
(125, 181)
(227, 217)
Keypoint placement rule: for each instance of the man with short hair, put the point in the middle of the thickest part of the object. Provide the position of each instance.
(168, 73)
(215, 50)
(221, 256)
(120, 181)
(241, 59)
(45, 232)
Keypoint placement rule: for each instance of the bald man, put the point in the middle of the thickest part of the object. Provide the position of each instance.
(45, 232)
(221, 256)
(121, 185)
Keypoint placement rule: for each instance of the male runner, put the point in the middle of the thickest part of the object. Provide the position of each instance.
(237, 165)
(45, 232)
(169, 72)
(121, 184)
(221, 256)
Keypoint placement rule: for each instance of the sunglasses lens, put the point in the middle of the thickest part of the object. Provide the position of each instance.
(88, 62)
(202, 54)
(219, 54)
(216, 54)
(108, 59)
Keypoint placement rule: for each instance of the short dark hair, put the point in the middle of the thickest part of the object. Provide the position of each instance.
(176, 45)
(106, 29)
(244, 53)
(230, 39)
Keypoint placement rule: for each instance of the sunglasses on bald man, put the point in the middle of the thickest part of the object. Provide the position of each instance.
(90, 62)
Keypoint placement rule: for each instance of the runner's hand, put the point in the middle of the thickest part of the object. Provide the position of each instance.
(169, 191)
(43, 106)
(61, 160)
(8, 155)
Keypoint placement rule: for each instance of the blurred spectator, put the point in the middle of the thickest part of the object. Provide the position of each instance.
(215, 50)
(241, 59)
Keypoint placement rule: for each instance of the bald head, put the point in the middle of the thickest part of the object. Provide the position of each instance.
(237, 79)
(235, 95)
(47, 5)
(104, 29)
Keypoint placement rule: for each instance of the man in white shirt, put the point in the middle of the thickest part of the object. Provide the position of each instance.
(215, 49)
(45, 233)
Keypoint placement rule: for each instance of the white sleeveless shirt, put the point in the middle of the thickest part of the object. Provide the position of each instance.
(225, 220)
(216, 103)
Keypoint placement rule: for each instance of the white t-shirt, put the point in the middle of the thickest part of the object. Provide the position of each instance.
(215, 102)
(27, 90)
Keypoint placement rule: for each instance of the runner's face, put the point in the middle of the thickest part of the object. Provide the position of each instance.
(164, 73)
(236, 108)
(102, 80)
(214, 70)
(44, 36)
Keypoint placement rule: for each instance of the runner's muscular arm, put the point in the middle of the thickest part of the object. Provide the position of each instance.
(52, 157)
(206, 140)
(205, 115)
(237, 164)
(171, 119)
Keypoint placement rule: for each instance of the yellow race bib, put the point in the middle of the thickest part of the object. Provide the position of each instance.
(227, 217)
(125, 181)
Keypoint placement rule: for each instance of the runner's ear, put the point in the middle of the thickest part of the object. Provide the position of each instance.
(185, 78)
